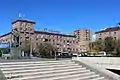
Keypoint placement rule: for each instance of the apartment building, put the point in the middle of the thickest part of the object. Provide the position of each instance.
(83, 38)
(63, 42)
(108, 32)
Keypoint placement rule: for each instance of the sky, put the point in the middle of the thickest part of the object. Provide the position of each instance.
(61, 15)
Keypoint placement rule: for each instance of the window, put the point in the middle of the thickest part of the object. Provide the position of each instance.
(31, 33)
(76, 49)
(45, 40)
(20, 43)
(21, 32)
(99, 38)
(36, 38)
(57, 39)
(27, 32)
(27, 38)
(30, 29)
(25, 29)
(36, 43)
(68, 41)
(16, 29)
(68, 44)
(87, 39)
(64, 41)
(60, 40)
(20, 28)
(68, 48)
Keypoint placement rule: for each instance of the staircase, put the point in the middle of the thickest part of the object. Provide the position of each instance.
(47, 70)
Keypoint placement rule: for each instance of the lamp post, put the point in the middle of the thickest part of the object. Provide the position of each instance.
(30, 47)
(56, 53)
(55, 56)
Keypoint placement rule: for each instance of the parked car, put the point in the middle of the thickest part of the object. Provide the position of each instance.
(6, 56)
(101, 53)
(66, 55)
(74, 54)
(80, 54)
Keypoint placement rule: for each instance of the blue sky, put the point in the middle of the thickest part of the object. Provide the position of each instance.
(62, 15)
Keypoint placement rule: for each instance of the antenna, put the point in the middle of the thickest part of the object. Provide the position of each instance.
(45, 29)
(21, 16)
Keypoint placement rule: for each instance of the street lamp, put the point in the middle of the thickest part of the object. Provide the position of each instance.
(30, 47)
(56, 53)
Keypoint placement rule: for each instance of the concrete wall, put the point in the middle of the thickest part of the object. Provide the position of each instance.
(101, 63)
(104, 62)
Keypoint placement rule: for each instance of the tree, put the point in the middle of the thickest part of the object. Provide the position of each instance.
(109, 44)
(117, 47)
(25, 46)
(96, 46)
(46, 49)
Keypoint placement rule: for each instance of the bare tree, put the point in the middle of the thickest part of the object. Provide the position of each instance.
(109, 45)
(45, 49)
(96, 46)
(25, 46)
(117, 47)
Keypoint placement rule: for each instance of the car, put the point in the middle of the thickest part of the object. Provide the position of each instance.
(101, 53)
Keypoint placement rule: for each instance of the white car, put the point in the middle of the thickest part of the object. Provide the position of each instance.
(6, 56)
(101, 53)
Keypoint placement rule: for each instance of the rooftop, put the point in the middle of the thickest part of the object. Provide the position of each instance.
(6, 34)
(49, 33)
(19, 20)
(109, 29)
(43, 32)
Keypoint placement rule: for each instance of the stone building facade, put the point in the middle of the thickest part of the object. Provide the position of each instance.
(108, 32)
(83, 38)
(63, 42)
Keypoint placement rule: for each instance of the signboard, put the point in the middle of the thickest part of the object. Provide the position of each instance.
(4, 45)
(51, 31)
